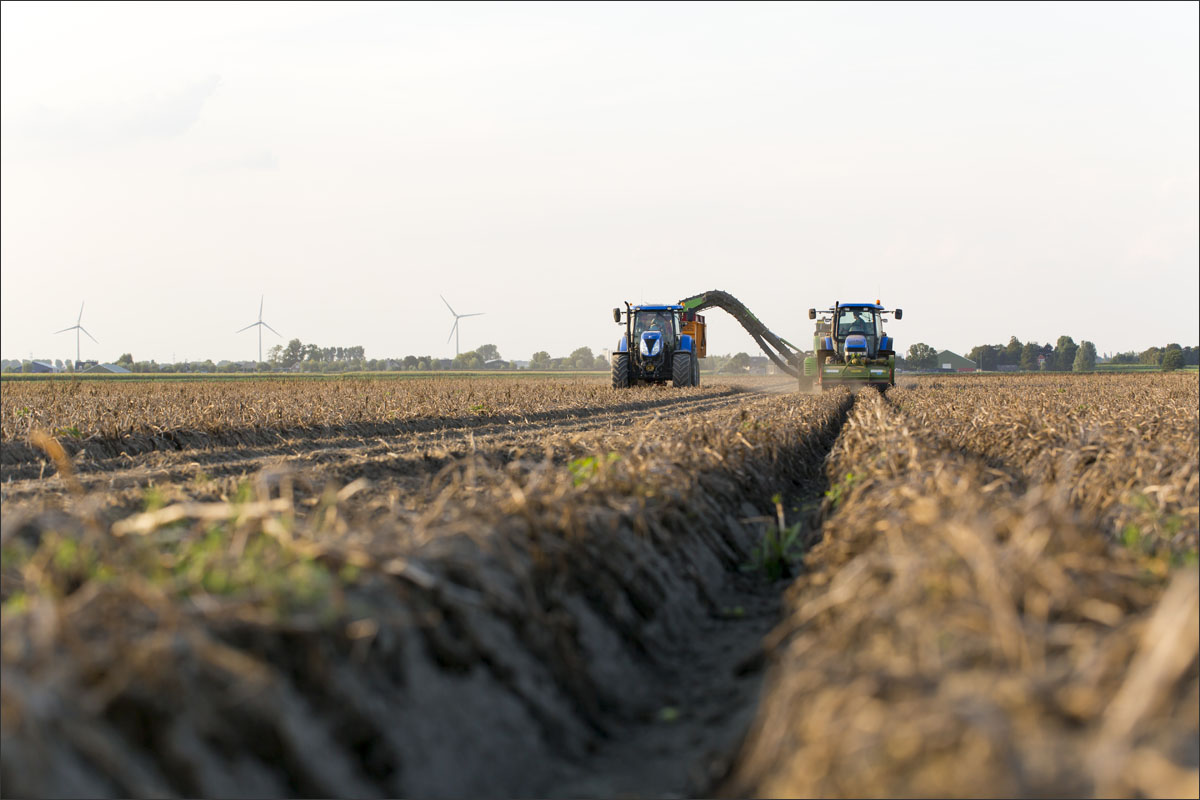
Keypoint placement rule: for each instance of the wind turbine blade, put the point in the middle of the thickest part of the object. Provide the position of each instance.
(452, 327)
(80, 314)
(272, 330)
(260, 305)
(477, 314)
(64, 330)
(93, 338)
(248, 327)
(452, 311)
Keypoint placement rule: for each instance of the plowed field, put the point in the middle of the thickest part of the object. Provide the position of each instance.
(969, 586)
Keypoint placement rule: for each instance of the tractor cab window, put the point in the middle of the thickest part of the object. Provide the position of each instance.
(662, 321)
(856, 320)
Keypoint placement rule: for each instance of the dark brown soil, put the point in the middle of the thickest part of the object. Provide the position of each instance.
(516, 625)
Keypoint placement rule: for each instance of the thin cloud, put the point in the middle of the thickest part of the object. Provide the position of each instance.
(165, 115)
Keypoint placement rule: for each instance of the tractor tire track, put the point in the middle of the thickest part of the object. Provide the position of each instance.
(409, 453)
(17, 454)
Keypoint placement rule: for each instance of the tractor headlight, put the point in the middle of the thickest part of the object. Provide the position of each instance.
(651, 347)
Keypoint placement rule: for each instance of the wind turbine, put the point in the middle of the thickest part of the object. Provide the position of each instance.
(77, 327)
(454, 330)
(260, 325)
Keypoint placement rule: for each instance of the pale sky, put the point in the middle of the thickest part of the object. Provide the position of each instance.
(993, 169)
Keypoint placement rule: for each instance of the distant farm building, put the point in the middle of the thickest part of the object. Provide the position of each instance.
(106, 369)
(955, 362)
(42, 366)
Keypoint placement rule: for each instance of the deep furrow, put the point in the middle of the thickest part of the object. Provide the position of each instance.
(711, 683)
(961, 633)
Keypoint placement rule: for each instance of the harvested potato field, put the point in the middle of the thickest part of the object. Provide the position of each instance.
(965, 586)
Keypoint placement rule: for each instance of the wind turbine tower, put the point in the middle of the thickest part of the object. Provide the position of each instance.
(77, 327)
(454, 328)
(260, 325)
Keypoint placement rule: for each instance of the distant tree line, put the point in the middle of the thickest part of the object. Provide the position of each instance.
(26, 365)
(296, 356)
(487, 357)
(737, 364)
(580, 359)
(1063, 356)
(126, 361)
(299, 357)
(1170, 357)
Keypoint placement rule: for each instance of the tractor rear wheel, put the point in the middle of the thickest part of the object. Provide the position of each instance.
(620, 370)
(681, 370)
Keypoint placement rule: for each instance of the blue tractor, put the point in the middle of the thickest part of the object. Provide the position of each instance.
(851, 347)
(661, 343)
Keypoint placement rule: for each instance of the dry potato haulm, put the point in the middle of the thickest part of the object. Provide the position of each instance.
(959, 586)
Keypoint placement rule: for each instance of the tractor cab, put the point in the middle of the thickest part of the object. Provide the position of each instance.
(859, 328)
(853, 330)
(851, 345)
(655, 330)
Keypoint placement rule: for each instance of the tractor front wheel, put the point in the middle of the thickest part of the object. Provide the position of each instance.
(681, 370)
(620, 370)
